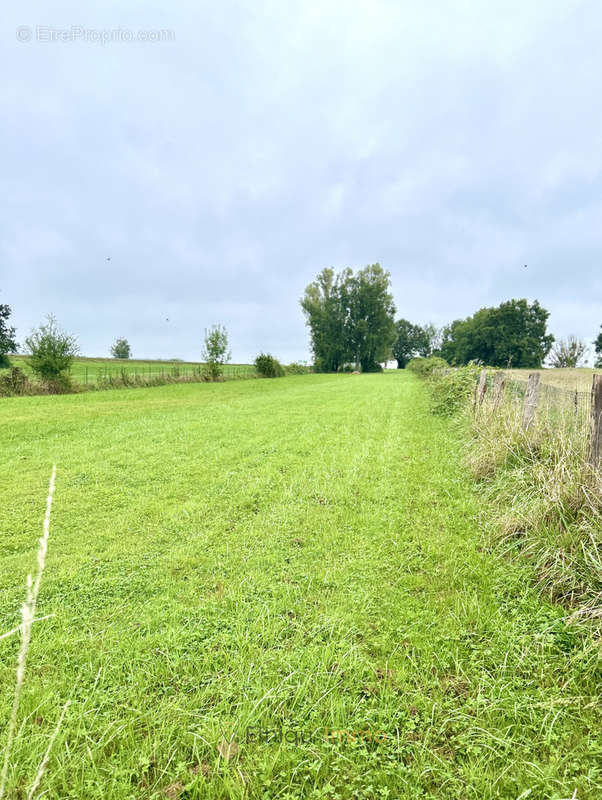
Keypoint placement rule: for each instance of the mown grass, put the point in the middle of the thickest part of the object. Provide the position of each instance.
(304, 553)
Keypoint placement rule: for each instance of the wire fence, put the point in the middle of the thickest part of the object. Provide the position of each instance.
(88, 375)
(540, 406)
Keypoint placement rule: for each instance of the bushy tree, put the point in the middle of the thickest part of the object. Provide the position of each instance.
(121, 349)
(413, 341)
(371, 320)
(568, 352)
(215, 351)
(7, 336)
(511, 334)
(52, 351)
(350, 317)
(598, 349)
(325, 306)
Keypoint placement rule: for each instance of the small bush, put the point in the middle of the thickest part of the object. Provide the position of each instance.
(268, 366)
(15, 381)
(52, 351)
(424, 367)
(296, 369)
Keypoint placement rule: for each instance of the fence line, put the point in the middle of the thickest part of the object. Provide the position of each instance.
(538, 404)
(102, 373)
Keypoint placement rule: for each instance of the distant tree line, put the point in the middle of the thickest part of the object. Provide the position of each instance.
(351, 320)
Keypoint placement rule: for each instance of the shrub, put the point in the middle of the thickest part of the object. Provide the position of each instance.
(15, 381)
(268, 366)
(296, 369)
(424, 366)
(215, 352)
(52, 351)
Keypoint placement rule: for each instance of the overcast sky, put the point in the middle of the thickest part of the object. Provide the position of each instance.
(453, 141)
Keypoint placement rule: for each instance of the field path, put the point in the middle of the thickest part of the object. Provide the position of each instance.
(301, 555)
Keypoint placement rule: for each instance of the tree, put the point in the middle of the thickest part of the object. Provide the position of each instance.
(598, 349)
(121, 349)
(413, 341)
(511, 334)
(325, 307)
(7, 336)
(51, 351)
(568, 352)
(215, 351)
(350, 317)
(371, 320)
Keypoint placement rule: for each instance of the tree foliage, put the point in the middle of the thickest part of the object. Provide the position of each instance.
(350, 317)
(413, 341)
(51, 351)
(7, 335)
(598, 349)
(325, 306)
(568, 352)
(268, 366)
(371, 319)
(121, 349)
(511, 334)
(215, 351)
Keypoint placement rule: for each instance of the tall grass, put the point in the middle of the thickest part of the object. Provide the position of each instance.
(547, 499)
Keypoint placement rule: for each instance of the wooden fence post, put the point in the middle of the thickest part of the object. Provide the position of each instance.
(482, 386)
(479, 390)
(595, 441)
(531, 400)
(498, 389)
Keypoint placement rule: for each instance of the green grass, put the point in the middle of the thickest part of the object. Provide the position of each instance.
(90, 369)
(304, 552)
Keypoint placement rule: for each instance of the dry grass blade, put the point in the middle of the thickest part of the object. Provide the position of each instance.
(27, 617)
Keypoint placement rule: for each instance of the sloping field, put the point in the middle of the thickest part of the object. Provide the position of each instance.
(570, 379)
(302, 555)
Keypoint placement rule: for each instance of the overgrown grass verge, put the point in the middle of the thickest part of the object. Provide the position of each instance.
(547, 499)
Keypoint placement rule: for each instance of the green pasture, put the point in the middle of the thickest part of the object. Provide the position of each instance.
(304, 556)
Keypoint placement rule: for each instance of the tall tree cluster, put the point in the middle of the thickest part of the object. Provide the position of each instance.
(351, 318)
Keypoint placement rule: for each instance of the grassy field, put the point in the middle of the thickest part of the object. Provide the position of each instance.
(301, 555)
(90, 369)
(571, 379)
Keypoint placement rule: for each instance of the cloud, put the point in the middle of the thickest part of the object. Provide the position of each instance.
(221, 171)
